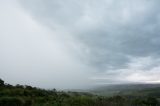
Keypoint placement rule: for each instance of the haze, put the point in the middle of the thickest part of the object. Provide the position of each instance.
(70, 44)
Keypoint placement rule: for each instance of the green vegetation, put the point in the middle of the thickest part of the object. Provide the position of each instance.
(20, 95)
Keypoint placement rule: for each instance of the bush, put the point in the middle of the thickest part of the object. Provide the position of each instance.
(10, 101)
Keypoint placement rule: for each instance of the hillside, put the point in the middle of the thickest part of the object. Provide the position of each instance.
(25, 95)
(129, 90)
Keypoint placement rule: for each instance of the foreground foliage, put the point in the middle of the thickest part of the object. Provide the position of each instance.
(31, 96)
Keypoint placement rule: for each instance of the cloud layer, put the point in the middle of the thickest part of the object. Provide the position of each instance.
(86, 41)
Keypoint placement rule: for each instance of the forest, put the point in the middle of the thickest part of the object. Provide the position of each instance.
(25, 95)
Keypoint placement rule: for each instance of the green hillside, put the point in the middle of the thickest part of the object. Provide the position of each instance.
(20, 95)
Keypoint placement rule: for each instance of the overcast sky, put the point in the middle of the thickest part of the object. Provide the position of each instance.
(79, 43)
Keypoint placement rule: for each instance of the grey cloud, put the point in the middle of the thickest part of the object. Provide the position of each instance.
(112, 30)
(99, 36)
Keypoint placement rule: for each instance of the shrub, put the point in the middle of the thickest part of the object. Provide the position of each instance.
(10, 101)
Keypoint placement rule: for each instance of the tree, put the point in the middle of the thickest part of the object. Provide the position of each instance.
(1, 82)
(152, 101)
(10, 101)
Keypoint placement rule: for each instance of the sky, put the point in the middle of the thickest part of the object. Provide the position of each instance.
(74, 44)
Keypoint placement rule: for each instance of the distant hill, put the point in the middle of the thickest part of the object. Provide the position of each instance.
(128, 89)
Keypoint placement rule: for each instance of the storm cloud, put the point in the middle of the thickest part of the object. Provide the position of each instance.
(87, 42)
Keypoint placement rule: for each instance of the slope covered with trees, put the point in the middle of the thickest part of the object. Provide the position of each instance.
(20, 95)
